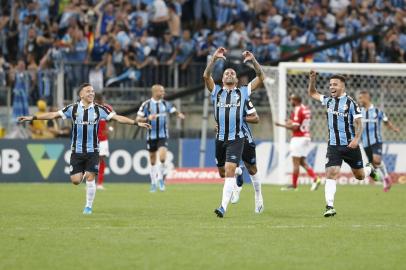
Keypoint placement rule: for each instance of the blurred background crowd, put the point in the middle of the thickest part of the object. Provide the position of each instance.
(111, 41)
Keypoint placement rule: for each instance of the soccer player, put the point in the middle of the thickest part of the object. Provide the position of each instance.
(85, 115)
(248, 156)
(228, 101)
(155, 111)
(345, 129)
(103, 135)
(372, 118)
(299, 124)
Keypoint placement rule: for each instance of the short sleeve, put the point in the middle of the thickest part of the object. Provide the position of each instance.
(66, 113)
(106, 113)
(215, 91)
(324, 99)
(249, 107)
(384, 117)
(355, 110)
(249, 89)
(170, 108)
(142, 111)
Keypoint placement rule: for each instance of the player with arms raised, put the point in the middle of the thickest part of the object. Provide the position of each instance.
(345, 129)
(299, 124)
(228, 101)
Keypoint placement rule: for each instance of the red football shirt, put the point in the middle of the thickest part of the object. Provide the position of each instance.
(301, 116)
(103, 133)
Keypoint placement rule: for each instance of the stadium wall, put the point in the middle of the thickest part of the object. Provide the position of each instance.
(48, 161)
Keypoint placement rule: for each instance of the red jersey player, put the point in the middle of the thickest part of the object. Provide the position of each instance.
(103, 136)
(299, 123)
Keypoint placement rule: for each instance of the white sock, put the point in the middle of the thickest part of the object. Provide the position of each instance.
(383, 169)
(330, 191)
(367, 171)
(238, 171)
(90, 192)
(153, 174)
(256, 183)
(229, 183)
(162, 169)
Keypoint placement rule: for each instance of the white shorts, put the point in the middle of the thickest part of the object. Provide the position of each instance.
(299, 146)
(104, 148)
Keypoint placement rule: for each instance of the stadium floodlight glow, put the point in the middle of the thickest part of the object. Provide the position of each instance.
(385, 82)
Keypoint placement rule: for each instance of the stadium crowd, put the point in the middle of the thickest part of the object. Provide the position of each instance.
(122, 37)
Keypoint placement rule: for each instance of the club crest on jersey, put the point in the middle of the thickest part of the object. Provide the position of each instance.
(345, 107)
(358, 109)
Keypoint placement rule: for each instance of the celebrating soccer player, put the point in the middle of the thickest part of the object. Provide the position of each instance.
(154, 111)
(345, 129)
(228, 101)
(299, 124)
(372, 118)
(85, 115)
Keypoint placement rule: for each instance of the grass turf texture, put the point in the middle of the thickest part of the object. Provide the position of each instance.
(42, 227)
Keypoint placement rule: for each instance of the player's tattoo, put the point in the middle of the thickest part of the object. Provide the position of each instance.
(258, 69)
(358, 128)
(207, 72)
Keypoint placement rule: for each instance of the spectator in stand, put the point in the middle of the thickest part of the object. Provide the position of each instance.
(185, 50)
(203, 8)
(158, 17)
(20, 80)
(39, 128)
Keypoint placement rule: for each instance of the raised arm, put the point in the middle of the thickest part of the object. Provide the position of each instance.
(257, 82)
(125, 120)
(311, 90)
(208, 79)
(43, 116)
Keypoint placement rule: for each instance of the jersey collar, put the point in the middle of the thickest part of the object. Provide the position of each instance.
(155, 101)
(83, 105)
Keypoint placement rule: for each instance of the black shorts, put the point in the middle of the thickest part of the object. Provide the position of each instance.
(336, 154)
(154, 145)
(229, 151)
(375, 149)
(248, 153)
(84, 162)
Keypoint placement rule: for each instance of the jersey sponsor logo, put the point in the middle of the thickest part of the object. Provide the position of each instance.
(332, 111)
(225, 105)
(80, 122)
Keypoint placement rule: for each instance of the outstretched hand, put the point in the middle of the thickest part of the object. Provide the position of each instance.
(25, 118)
(248, 56)
(312, 74)
(181, 116)
(219, 53)
(144, 125)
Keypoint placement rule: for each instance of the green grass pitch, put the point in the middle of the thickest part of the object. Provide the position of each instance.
(42, 227)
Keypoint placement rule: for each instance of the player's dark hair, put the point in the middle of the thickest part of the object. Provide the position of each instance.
(296, 97)
(339, 77)
(81, 87)
(364, 92)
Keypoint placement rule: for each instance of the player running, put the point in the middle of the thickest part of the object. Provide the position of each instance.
(299, 124)
(228, 101)
(85, 115)
(345, 129)
(248, 156)
(372, 118)
(155, 111)
(103, 136)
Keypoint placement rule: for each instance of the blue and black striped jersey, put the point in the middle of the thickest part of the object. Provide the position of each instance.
(85, 124)
(372, 122)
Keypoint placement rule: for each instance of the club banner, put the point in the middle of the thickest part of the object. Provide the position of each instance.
(48, 160)
(393, 154)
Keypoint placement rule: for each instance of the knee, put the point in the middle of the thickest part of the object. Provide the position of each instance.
(252, 170)
(359, 176)
(75, 181)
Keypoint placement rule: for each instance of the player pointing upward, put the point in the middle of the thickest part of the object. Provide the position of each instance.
(345, 129)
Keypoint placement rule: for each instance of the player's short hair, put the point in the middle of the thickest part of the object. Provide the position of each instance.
(364, 92)
(339, 77)
(83, 85)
